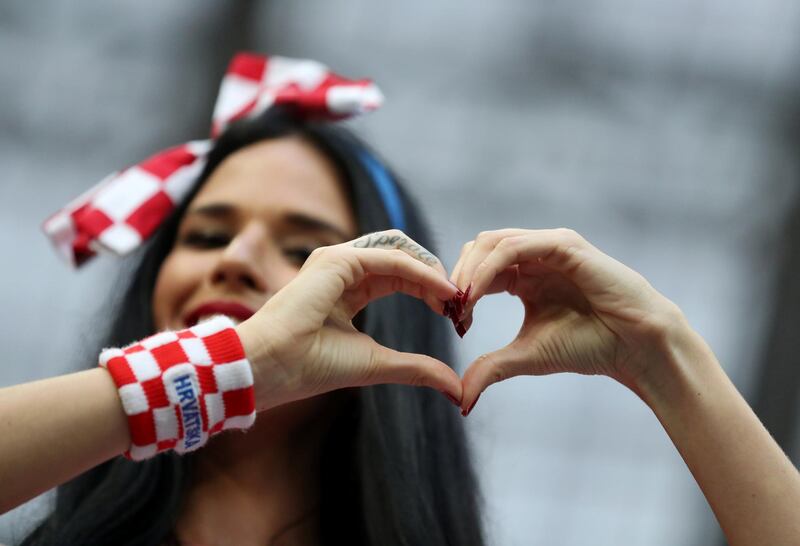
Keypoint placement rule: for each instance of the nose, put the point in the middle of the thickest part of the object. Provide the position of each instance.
(241, 263)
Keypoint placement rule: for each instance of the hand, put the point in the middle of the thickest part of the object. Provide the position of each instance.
(302, 342)
(584, 311)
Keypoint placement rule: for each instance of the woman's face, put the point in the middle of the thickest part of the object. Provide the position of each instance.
(248, 231)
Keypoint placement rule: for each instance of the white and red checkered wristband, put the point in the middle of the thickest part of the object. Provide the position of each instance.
(179, 388)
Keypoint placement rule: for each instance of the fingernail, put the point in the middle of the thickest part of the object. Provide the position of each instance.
(447, 310)
(458, 306)
(460, 329)
(451, 398)
(464, 299)
(466, 413)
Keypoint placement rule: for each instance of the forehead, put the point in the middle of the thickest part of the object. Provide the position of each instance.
(279, 176)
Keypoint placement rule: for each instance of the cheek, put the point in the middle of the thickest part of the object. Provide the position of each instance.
(178, 277)
(283, 276)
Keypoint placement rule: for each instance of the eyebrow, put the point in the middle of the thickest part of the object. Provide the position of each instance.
(295, 219)
(215, 210)
(304, 221)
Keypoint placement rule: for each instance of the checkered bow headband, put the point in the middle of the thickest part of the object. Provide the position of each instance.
(125, 208)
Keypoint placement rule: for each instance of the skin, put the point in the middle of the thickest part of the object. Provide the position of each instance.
(587, 313)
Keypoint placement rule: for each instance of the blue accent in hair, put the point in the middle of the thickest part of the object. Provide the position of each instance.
(386, 188)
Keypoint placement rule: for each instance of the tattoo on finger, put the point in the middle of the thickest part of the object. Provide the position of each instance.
(375, 240)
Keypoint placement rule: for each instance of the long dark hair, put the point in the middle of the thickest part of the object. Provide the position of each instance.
(396, 469)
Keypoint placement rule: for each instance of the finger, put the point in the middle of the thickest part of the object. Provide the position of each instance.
(396, 239)
(460, 262)
(414, 369)
(517, 278)
(399, 264)
(512, 281)
(501, 284)
(484, 243)
(488, 369)
(504, 281)
(374, 287)
(557, 250)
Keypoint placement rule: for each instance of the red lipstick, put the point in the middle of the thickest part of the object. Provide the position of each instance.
(229, 308)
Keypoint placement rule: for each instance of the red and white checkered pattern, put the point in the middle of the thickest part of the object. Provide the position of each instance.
(253, 83)
(179, 388)
(126, 207)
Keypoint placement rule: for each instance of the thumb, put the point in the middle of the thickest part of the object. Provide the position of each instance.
(491, 368)
(415, 369)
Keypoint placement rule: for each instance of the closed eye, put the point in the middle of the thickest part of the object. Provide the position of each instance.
(298, 255)
(205, 239)
(202, 240)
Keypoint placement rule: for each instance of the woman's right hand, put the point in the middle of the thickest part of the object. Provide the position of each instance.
(302, 342)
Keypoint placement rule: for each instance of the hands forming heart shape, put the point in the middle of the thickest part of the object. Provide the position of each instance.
(585, 313)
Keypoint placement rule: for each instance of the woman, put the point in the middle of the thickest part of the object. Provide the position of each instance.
(370, 466)
(384, 464)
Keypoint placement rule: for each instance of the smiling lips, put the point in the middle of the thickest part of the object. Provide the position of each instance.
(231, 309)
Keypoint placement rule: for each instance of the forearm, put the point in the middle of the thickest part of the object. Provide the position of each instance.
(54, 429)
(749, 482)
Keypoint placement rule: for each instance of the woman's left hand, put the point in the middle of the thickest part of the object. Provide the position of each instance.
(584, 311)
(587, 313)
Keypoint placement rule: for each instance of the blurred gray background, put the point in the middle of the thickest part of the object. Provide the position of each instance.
(666, 133)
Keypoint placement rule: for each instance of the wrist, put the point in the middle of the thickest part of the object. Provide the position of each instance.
(180, 387)
(270, 382)
(680, 365)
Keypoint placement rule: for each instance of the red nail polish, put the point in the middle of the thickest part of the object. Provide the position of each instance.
(451, 307)
(458, 307)
(454, 309)
(465, 295)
